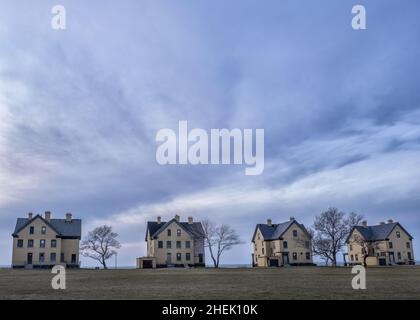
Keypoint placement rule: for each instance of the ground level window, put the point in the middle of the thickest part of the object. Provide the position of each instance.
(178, 256)
(356, 257)
(399, 255)
(352, 257)
(294, 256)
(41, 257)
(188, 256)
(53, 257)
(409, 255)
(308, 256)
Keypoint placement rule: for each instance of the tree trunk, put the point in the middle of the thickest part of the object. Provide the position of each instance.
(211, 254)
(364, 260)
(104, 264)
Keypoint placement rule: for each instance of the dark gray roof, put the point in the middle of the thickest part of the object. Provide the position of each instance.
(275, 231)
(195, 229)
(379, 232)
(65, 229)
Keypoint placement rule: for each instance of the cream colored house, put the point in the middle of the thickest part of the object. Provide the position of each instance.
(384, 244)
(287, 243)
(173, 243)
(42, 242)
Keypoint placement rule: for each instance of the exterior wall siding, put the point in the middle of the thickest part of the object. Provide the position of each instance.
(20, 254)
(297, 248)
(196, 247)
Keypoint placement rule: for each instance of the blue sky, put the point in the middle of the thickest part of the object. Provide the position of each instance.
(80, 108)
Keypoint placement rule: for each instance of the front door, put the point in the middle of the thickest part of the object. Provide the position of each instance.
(73, 259)
(168, 258)
(285, 258)
(200, 258)
(382, 262)
(391, 258)
(147, 264)
(29, 259)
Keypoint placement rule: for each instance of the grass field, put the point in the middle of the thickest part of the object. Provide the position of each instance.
(280, 283)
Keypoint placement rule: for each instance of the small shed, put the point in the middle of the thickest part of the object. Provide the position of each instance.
(146, 263)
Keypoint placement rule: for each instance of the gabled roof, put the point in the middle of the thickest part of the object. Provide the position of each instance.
(194, 229)
(378, 232)
(63, 228)
(276, 231)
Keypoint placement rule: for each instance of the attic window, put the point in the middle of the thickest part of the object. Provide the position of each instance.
(295, 233)
(43, 230)
(31, 230)
(398, 234)
(178, 232)
(169, 232)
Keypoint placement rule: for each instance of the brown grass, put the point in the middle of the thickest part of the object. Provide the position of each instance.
(280, 283)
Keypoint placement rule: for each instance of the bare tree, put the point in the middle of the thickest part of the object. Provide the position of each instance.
(100, 244)
(321, 247)
(331, 229)
(219, 239)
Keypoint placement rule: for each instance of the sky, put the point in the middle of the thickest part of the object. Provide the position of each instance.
(80, 109)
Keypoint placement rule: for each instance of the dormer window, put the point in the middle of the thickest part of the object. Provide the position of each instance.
(43, 230)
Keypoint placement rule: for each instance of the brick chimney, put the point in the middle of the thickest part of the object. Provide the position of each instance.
(68, 217)
(177, 218)
(30, 215)
(159, 220)
(364, 223)
(48, 216)
(390, 221)
(269, 222)
(381, 223)
(190, 220)
(292, 218)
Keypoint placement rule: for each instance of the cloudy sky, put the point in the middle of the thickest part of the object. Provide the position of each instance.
(80, 109)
